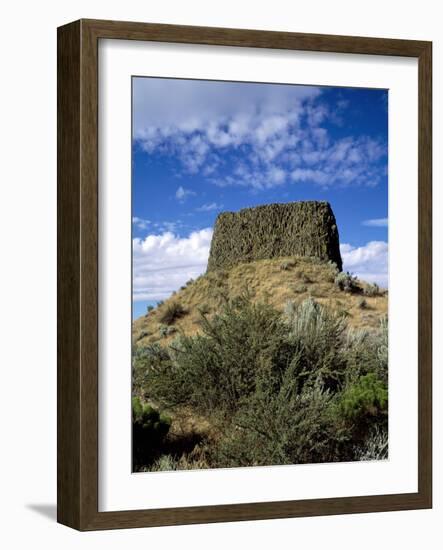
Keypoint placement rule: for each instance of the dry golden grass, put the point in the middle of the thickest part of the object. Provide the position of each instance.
(276, 281)
(187, 423)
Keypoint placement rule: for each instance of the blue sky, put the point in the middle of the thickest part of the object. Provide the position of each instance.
(202, 147)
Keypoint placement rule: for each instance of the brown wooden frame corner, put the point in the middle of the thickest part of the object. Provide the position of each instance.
(77, 319)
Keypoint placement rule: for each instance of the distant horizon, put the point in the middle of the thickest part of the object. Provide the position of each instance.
(205, 147)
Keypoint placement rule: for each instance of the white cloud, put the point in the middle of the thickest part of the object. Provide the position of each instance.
(166, 105)
(162, 227)
(163, 263)
(273, 133)
(348, 161)
(140, 223)
(159, 227)
(308, 174)
(377, 222)
(181, 194)
(368, 262)
(209, 207)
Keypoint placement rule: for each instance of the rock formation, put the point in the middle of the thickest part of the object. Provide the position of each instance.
(305, 228)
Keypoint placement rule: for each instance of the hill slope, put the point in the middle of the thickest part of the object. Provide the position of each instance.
(277, 281)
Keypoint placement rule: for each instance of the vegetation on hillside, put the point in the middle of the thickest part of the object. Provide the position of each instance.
(261, 385)
(276, 281)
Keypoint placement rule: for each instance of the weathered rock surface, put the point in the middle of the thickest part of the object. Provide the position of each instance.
(305, 228)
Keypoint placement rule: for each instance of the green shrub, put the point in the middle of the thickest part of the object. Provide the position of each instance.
(346, 282)
(383, 350)
(165, 330)
(359, 409)
(166, 463)
(331, 272)
(278, 388)
(217, 369)
(143, 334)
(362, 304)
(374, 447)
(145, 359)
(279, 425)
(172, 312)
(367, 397)
(203, 309)
(372, 290)
(149, 308)
(137, 408)
(319, 333)
(196, 459)
(343, 313)
(149, 428)
(366, 352)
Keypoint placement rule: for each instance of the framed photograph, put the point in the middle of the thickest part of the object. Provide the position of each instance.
(244, 275)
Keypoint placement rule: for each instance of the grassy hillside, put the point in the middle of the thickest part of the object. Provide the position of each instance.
(276, 282)
(246, 384)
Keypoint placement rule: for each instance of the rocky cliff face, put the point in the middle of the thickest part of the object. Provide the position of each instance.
(275, 230)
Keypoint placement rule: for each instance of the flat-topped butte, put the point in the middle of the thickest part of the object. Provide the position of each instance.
(305, 228)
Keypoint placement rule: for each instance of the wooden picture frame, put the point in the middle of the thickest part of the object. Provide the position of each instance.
(78, 274)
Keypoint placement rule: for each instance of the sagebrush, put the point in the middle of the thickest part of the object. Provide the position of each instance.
(276, 388)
